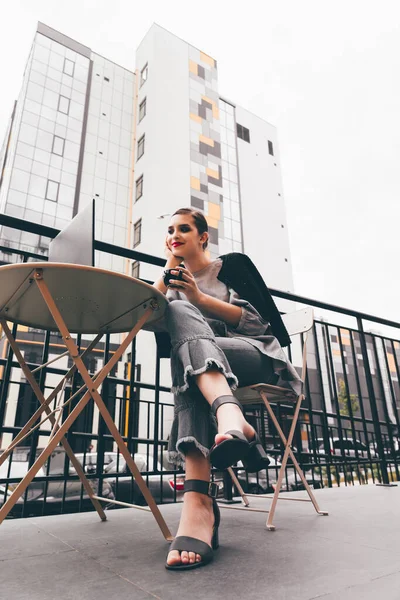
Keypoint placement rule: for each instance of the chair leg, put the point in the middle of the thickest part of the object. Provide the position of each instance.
(238, 486)
(270, 526)
(288, 452)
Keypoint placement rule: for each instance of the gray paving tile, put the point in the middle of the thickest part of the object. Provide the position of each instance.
(69, 576)
(361, 515)
(387, 587)
(21, 538)
(114, 587)
(50, 572)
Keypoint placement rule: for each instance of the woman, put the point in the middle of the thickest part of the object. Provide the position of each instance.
(219, 341)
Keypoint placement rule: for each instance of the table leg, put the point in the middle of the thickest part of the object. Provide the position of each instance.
(23, 484)
(98, 400)
(44, 407)
(25, 429)
(21, 487)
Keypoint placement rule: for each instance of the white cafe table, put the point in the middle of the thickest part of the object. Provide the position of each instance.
(75, 299)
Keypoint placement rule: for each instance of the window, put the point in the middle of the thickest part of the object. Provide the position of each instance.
(140, 147)
(43, 243)
(135, 269)
(143, 74)
(63, 104)
(137, 233)
(142, 110)
(139, 188)
(243, 133)
(52, 190)
(270, 148)
(58, 145)
(6, 244)
(69, 67)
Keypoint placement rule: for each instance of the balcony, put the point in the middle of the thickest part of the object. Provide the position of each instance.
(347, 442)
(348, 433)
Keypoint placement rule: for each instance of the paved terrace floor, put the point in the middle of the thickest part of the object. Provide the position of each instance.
(353, 553)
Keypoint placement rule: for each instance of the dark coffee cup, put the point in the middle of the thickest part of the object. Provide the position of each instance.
(168, 275)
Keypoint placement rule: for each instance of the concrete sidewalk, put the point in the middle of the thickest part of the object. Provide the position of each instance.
(353, 553)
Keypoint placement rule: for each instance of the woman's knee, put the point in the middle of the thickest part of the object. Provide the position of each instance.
(185, 323)
(180, 306)
(180, 312)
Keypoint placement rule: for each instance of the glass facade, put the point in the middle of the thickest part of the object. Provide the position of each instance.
(46, 138)
(107, 169)
(232, 241)
(72, 110)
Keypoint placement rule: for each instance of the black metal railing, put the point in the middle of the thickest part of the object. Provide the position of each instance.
(348, 431)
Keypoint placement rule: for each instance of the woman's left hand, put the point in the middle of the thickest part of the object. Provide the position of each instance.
(187, 285)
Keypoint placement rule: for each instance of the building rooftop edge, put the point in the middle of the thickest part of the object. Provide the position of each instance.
(235, 105)
(154, 24)
(69, 42)
(63, 39)
(72, 44)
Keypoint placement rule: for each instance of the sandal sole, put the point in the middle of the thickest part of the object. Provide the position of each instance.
(228, 452)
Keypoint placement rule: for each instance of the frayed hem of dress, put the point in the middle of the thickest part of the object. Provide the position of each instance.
(178, 458)
(190, 372)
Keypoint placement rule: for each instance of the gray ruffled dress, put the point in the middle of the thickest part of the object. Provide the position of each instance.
(246, 354)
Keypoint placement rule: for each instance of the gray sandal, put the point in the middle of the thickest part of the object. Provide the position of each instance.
(229, 452)
(190, 544)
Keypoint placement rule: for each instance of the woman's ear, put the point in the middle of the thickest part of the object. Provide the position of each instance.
(204, 237)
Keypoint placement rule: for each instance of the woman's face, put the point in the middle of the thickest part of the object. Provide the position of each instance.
(183, 238)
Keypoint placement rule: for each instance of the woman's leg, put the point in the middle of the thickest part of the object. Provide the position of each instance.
(250, 366)
(200, 373)
(213, 384)
(197, 516)
(204, 368)
(193, 350)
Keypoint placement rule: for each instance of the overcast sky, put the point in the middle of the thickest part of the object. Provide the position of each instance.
(326, 74)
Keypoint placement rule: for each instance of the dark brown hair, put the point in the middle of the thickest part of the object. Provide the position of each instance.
(198, 218)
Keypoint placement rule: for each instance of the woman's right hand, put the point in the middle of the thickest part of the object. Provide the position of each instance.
(172, 260)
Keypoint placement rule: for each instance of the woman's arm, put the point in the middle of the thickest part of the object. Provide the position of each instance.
(209, 306)
(218, 309)
(172, 261)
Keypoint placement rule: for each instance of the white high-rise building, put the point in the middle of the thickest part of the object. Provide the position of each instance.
(142, 143)
(200, 149)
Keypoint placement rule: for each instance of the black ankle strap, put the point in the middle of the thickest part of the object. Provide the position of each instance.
(224, 400)
(208, 488)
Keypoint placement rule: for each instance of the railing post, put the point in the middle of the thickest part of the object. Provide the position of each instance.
(134, 403)
(156, 433)
(325, 425)
(385, 408)
(228, 495)
(6, 382)
(372, 401)
(102, 427)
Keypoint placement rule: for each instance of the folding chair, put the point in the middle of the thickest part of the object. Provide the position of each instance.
(298, 322)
